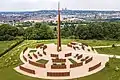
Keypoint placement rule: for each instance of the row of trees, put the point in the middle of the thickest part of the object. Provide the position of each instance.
(39, 31)
(8, 32)
(95, 30)
(98, 30)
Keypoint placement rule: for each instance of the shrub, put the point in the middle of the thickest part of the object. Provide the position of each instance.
(107, 64)
(117, 68)
(113, 45)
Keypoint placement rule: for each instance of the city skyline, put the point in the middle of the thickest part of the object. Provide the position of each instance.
(34, 5)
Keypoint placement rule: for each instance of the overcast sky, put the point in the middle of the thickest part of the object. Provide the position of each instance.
(31, 5)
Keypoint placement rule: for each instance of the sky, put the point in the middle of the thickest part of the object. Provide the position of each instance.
(34, 5)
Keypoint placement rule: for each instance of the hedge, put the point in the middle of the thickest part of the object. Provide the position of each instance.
(13, 46)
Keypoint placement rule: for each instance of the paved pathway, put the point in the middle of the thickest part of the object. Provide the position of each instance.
(110, 56)
(74, 73)
(107, 55)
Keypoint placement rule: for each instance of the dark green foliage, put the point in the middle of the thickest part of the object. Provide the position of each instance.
(37, 25)
(72, 61)
(68, 30)
(113, 45)
(24, 24)
(8, 32)
(21, 31)
(40, 31)
(107, 65)
(6, 37)
(33, 51)
(94, 30)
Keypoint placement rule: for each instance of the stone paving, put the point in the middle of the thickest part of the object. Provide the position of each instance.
(76, 72)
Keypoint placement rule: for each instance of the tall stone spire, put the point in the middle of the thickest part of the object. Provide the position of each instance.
(59, 31)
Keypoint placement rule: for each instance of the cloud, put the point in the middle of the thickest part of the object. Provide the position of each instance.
(24, 1)
(18, 5)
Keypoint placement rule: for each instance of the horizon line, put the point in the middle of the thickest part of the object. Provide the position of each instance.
(61, 9)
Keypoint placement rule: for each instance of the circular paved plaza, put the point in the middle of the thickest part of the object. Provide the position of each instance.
(74, 61)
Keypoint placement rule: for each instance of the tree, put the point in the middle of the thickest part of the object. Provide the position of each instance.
(8, 32)
(37, 25)
(40, 31)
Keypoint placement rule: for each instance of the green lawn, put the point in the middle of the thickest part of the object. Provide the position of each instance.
(11, 60)
(33, 51)
(98, 42)
(89, 42)
(52, 27)
(72, 61)
(43, 61)
(108, 73)
(5, 45)
(112, 50)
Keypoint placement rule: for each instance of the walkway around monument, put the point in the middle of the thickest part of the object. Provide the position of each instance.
(72, 62)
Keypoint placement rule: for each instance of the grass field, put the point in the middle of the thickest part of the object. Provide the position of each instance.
(43, 61)
(32, 51)
(89, 42)
(72, 61)
(11, 60)
(108, 73)
(5, 45)
(112, 50)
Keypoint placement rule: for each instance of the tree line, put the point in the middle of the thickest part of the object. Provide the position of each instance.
(37, 32)
(94, 30)
(40, 31)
